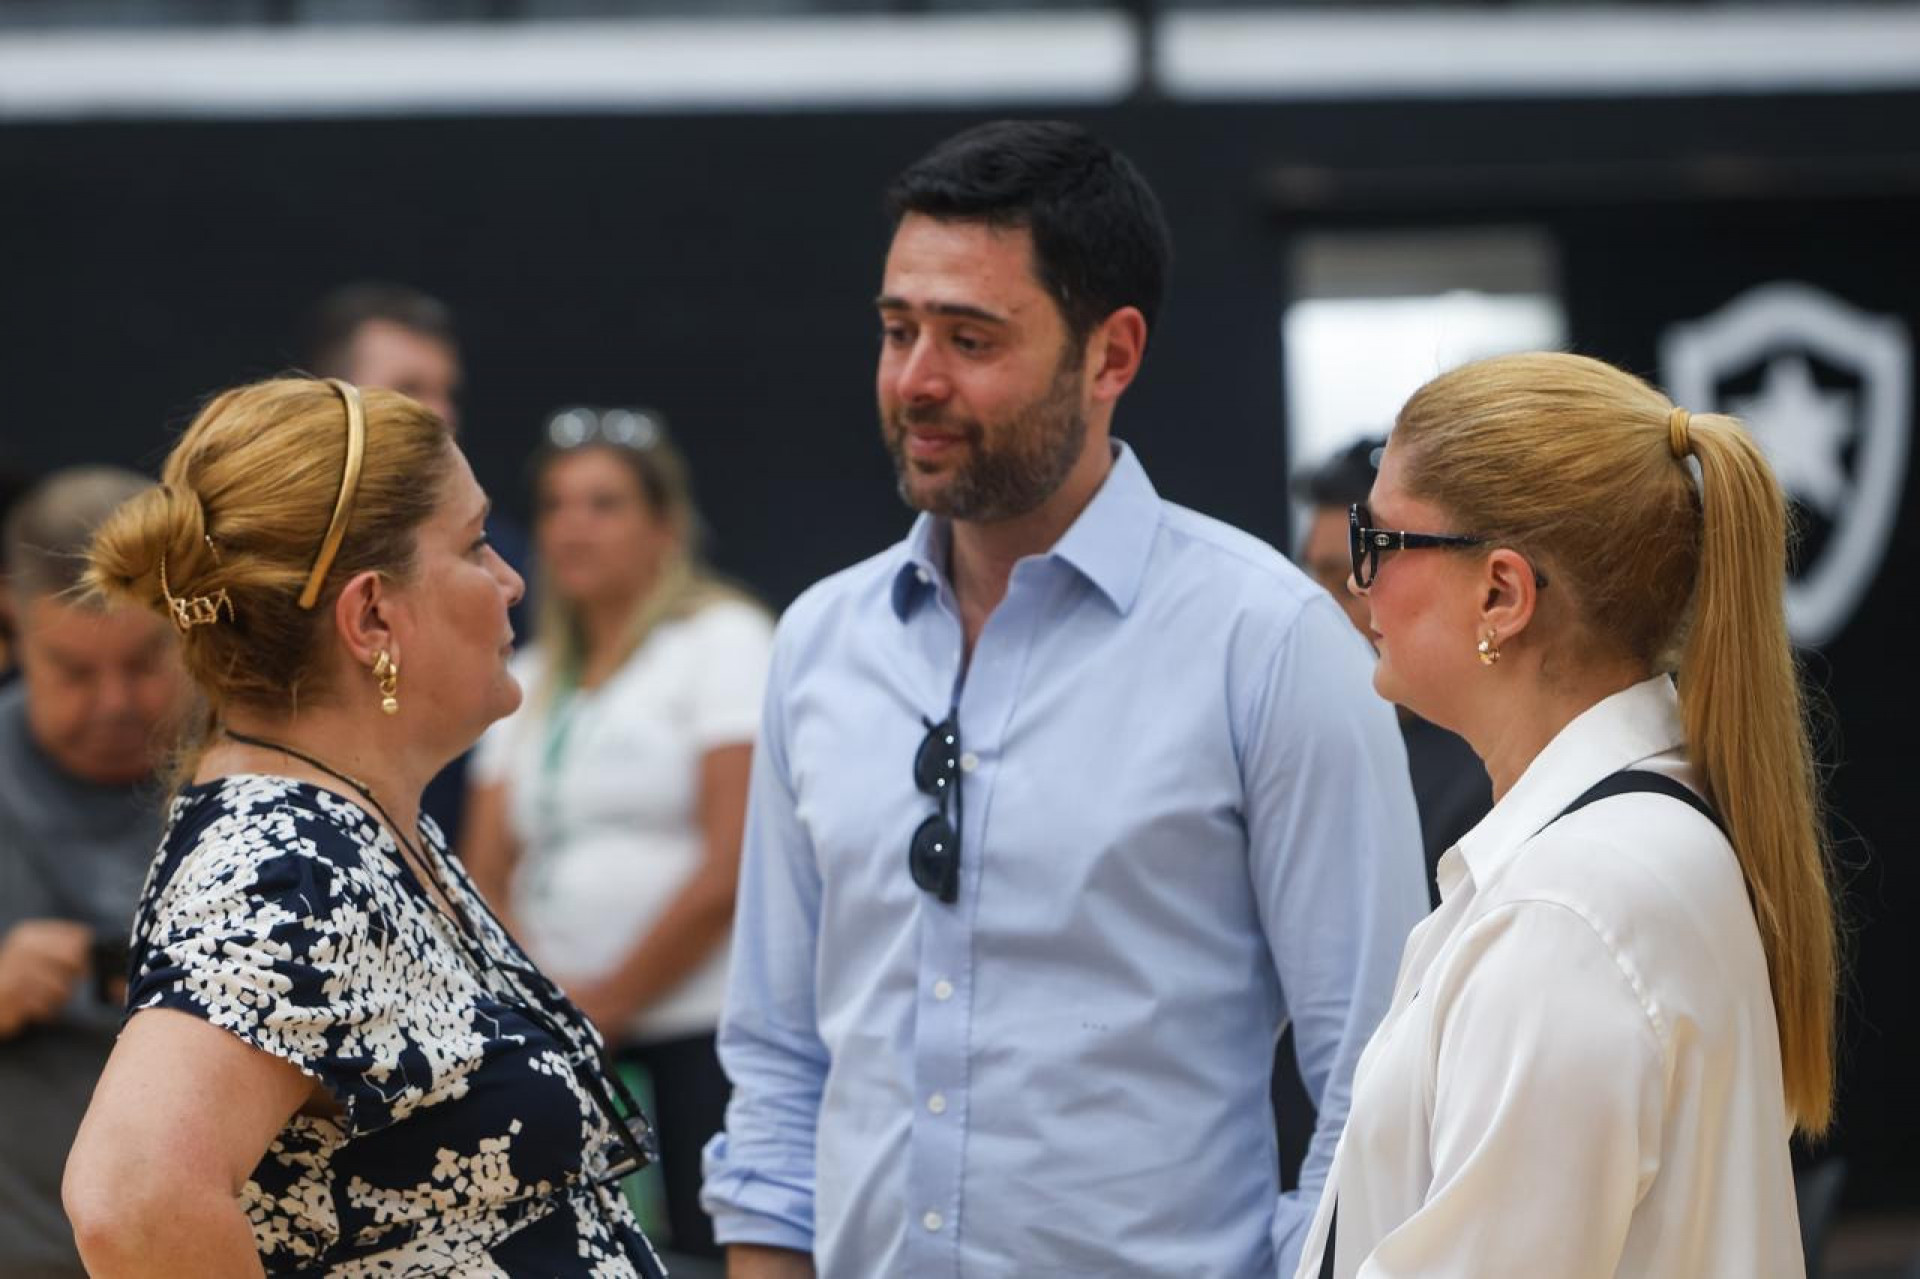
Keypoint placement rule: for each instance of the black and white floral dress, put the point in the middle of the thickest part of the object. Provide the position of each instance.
(467, 1143)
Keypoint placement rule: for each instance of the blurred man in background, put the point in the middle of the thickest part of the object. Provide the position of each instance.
(82, 735)
(389, 335)
(1449, 784)
(377, 334)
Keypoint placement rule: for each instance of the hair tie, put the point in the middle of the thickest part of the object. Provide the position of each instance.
(349, 485)
(1677, 438)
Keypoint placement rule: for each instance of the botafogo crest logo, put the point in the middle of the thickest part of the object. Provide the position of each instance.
(1827, 390)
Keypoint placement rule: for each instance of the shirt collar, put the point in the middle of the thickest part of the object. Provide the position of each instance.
(922, 559)
(1108, 543)
(1632, 725)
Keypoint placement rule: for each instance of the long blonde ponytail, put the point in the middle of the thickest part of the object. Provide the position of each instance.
(1746, 734)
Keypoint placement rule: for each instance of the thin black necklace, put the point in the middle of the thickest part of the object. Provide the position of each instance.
(249, 739)
(366, 793)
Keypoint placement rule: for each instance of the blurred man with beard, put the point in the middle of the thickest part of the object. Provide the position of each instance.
(1061, 807)
(81, 735)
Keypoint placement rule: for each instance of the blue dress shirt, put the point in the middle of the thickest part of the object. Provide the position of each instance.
(1187, 819)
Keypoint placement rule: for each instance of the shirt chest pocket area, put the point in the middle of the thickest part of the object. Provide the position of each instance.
(856, 802)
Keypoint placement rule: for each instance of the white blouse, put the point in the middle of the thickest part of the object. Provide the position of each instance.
(603, 790)
(1579, 1074)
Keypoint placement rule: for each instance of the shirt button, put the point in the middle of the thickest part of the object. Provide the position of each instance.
(943, 990)
(923, 575)
(933, 1221)
(937, 1103)
(969, 762)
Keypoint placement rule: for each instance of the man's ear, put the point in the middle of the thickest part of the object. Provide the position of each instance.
(1114, 351)
(361, 618)
(1509, 594)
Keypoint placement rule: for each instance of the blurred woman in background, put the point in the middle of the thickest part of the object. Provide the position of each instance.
(336, 1061)
(607, 814)
(1601, 1040)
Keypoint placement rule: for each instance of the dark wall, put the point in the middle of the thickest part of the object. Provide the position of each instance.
(718, 268)
(721, 267)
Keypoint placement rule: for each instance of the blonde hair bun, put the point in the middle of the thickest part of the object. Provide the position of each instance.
(243, 504)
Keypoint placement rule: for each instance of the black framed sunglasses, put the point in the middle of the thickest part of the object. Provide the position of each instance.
(1367, 544)
(637, 429)
(934, 854)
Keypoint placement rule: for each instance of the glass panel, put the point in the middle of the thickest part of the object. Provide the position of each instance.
(1375, 315)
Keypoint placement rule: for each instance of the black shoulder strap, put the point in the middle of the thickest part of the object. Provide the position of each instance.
(1326, 1253)
(1629, 781)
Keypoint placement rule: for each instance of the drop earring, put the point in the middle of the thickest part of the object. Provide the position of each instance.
(387, 672)
(1488, 650)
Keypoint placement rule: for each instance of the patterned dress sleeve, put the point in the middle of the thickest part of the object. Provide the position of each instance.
(261, 920)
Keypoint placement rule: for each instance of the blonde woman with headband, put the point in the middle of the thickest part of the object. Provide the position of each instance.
(335, 1061)
(1601, 1041)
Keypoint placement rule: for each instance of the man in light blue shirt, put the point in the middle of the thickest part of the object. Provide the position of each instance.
(1062, 807)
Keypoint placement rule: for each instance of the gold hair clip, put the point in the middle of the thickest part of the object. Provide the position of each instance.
(200, 610)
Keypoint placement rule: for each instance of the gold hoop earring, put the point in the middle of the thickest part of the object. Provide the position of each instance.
(1488, 650)
(387, 672)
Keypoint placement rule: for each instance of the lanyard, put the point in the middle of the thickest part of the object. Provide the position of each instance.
(540, 856)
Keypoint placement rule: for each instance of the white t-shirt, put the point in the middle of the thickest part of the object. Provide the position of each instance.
(1579, 1075)
(602, 792)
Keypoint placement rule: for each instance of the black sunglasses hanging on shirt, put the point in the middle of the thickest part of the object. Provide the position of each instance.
(934, 854)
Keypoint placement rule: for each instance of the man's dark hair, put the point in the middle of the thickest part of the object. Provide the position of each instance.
(1344, 478)
(335, 319)
(1100, 241)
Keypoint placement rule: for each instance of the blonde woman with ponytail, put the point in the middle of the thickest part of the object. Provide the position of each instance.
(1601, 1041)
(335, 1061)
(607, 814)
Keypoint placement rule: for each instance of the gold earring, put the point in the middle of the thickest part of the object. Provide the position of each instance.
(387, 672)
(1488, 650)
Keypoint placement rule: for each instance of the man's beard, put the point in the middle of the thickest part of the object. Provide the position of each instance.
(1033, 453)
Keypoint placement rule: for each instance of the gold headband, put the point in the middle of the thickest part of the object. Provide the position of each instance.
(349, 485)
(1677, 437)
(200, 610)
